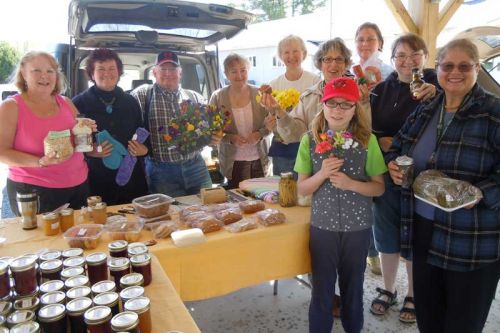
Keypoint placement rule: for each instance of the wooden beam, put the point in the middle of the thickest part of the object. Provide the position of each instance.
(425, 14)
(447, 12)
(401, 14)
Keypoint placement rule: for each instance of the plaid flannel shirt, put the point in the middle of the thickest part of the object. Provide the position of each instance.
(465, 239)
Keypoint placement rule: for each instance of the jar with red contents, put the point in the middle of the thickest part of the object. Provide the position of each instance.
(51, 270)
(97, 267)
(136, 248)
(5, 308)
(71, 271)
(118, 248)
(19, 317)
(77, 292)
(109, 299)
(52, 318)
(76, 309)
(126, 321)
(103, 287)
(76, 281)
(29, 327)
(4, 279)
(98, 319)
(141, 263)
(118, 267)
(25, 276)
(50, 255)
(74, 262)
(53, 297)
(72, 252)
(53, 285)
(27, 303)
(131, 292)
(141, 306)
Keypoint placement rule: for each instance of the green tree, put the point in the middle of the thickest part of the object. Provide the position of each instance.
(301, 7)
(9, 58)
(270, 9)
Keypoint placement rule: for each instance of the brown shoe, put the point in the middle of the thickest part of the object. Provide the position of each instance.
(336, 306)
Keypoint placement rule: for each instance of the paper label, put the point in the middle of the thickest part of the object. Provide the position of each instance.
(55, 226)
(81, 232)
(59, 134)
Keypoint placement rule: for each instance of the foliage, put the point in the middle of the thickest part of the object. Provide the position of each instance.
(9, 57)
(268, 10)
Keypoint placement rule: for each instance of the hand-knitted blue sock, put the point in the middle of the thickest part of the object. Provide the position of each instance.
(114, 160)
(128, 164)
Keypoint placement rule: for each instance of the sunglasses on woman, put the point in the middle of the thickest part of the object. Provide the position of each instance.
(462, 68)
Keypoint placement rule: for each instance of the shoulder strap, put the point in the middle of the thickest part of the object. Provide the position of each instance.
(147, 105)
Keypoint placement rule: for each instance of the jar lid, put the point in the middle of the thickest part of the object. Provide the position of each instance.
(66, 212)
(74, 261)
(99, 205)
(52, 297)
(117, 264)
(26, 303)
(97, 315)
(78, 306)
(51, 266)
(131, 279)
(286, 175)
(72, 271)
(2, 320)
(51, 312)
(5, 307)
(50, 255)
(118, 245)
(103, 286)
(108, 298)
(23, 263)
(50, 216)
(29, 327)
(20, 316)
(131, 292)
(80, 291)
(72, 252)
(140, 259)
(138, 305)
(4, 266)
(404, 160)
(76, 281)
(137, 248)
(96, 258)
(52, 285)
(124, 321)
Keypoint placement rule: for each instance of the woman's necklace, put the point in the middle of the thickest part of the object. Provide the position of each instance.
(109, 105)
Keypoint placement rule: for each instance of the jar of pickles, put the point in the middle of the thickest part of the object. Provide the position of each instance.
(52, 318)
(71, 271)
(51, 270)
(25, 276)
(99, 212)
(118, 248)
(131, 292)
(103, 287)
(53, 297)
(77, 292)
(51, 224)
(109, 299)
(141, 263)
(53, 285)
(126, 321)
(141, 306)
(287, 190)
(97, 267)
(76, 309)
(67, 219)
(118, 267)
(98, 319)
(4, 279)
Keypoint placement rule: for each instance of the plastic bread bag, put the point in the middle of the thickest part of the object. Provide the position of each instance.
(230, 215)
(183, 213)
(242, 225)
(251, 206)
(436, 187)
(207, 224)
(59, 143)
(214, 208)
(190, 219)
(163, 229)
(270, 216)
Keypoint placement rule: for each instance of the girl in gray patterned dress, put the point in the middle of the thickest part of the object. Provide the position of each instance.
(340, 163)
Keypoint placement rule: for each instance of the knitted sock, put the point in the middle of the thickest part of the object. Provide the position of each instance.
(114, 160)
(128, 164)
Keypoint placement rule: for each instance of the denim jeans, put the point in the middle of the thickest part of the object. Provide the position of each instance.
(6, 211)
(177, 179)
(283, 164)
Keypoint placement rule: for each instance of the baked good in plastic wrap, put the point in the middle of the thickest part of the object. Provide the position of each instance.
(244, 224)
(58, 143)
(228, 216)
(119, 228)
(192, 218)
(207, 224)
(151, 220)
(194, 209)
(251, 206)
(164, 229)
(270, 216)
(84, 236)
(152, 205)
(214, 208)
(441, 191)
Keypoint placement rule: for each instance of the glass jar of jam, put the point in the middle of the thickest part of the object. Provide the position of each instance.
(98, 319)
(19, 317)
(74, 262)
(27, 303)
(132, 279)
(109, 299)
(52, 318)
(50, 255)
(53, 297)
(53, 285)
(67, 219)
(141, 263)
(141, 306)
(24, 273)
(118, 248)
(5, 308)
(103, 287)
(77, 292)
(99, 212)
(136, 248)
(131, 292)
(28, 327)
(76, 309)
(4, 279)
(51, 224)
(118, 267)
(126, 321)
(97, 267)
(71, 271)
(72, 252)
(76, 281)
(51, 270)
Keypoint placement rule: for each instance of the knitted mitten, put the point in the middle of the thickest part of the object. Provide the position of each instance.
(128, 164)
(112, 161)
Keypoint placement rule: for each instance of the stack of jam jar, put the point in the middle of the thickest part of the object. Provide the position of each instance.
(57, 290)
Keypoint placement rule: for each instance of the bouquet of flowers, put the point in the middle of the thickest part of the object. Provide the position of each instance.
(287, 99)
(336, 142)
(195, 126)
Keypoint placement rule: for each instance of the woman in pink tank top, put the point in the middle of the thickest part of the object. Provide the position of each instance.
(25, 121)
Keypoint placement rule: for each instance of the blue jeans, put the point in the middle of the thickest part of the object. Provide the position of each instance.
(177, 179)
(6, 211)
(282, 164)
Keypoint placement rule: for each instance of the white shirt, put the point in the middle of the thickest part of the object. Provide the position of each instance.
(307, 80)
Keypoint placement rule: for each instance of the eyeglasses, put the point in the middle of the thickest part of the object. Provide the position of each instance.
(329, 60)
(342, 105)
(403, 57)
(369, 40)
(462, 68)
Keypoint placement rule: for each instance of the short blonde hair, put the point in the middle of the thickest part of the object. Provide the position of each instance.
(20, 82)
(289, 40)
(235, 57)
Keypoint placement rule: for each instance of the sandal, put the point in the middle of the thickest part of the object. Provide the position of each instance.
(385, 304)
(412, 318)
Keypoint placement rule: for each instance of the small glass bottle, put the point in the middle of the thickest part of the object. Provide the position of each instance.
(51, 224)
(287, 190)
(109, 299)
(67, 219)
(52, 318)
(118, 248)
(142, 306)
(25, 276)
(416, 82)
(126, 321)
(76, 309)
(4, 279)
(51, 270)
(98, 319)
(97, 267)
(141, 263)
(118, 267)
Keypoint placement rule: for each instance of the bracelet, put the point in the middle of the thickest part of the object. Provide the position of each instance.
(40, 163)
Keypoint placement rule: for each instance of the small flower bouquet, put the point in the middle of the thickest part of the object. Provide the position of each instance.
(335, 143)
(287, 99)
(195, 126)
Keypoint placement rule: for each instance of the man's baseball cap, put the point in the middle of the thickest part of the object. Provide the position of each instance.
(167, 56)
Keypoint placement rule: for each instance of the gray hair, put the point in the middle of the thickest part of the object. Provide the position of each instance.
(336, 44)
(463, 44)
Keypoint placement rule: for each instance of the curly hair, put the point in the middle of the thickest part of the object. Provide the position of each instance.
(20, 82)
(102, 55)
(336, 44)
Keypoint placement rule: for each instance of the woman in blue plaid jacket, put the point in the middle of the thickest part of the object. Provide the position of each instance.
(456, 256)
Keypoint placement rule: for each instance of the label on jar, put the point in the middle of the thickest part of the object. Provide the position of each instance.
(81, 232)
(26, 303)
(55, 226)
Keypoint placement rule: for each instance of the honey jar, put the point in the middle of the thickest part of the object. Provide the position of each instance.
(99, 213)
(51, 224)
(67, 219)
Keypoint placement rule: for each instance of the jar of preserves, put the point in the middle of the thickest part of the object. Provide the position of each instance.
(136, 248)
(53, 285)
(74, 262)
(19, 317)
(71, 271)
(118, 248)
(109, 299)
(67, 219)
(5, 308)
(51, 224)
(141, 306)
(27, 303)
(53, 297)
(141, 263)
(76, 309)
(99, 212)
(132, 279)
(28, 327)
(25, 276)
(4, 279)
(77, 292)
(126, 321)
(98, 319)
(103, 287)
(287, 190)
(131, 292)
(52, 318)
(97, 267)
(118, 267)
(50, 255)
(72, 252)
(51, 270)
(76, 281)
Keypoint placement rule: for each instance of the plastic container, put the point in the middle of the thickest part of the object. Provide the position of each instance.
(142, 306)
(152, 205)
(76, 309)
(147, 221)
(52, 318)
(124, 230)
(84, 236)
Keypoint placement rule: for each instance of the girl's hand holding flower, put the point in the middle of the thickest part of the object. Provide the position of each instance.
(254, 138)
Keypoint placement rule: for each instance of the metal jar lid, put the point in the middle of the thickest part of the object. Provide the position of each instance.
(131, 279)
(72, 252)
(96, 258)
(4, 267)
(52, 285)
(53, 297)
(140, 259)
(404, 160)
(74, 262)
(24, 197)
(20, 316)
(118, 264)
(118, 245)
(78, 306)
(72, 271)
(51, 266)
(50, 216)
(21, 264)
(103, 286)
(124, 321)
(131, 292)
(52, 312)
(286, 175)
(77, 292)
(50, 255)
(136, 248)
(138, 305)
(26, 303)
(109, 299)
(97, 315)
(5, 308)
(76, 281)
(28, 327)
(66, 212)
